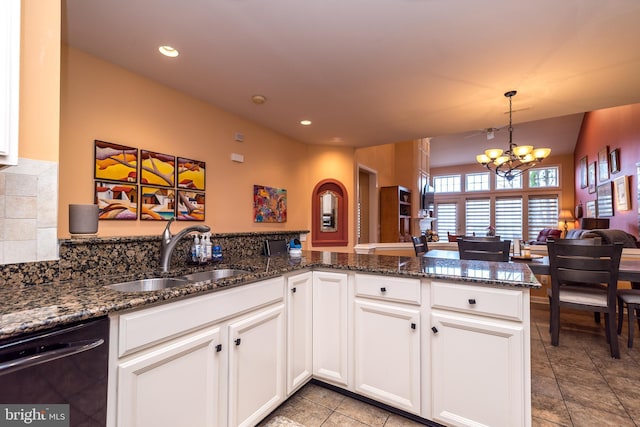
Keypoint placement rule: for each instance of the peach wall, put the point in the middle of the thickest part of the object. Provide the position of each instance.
(40, 80)
(617, 127)
(380, 158)
(100, 100)
(336, 163)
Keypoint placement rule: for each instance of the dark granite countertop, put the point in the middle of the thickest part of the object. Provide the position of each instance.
(25, 309)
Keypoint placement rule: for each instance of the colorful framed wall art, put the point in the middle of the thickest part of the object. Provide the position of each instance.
(269, 204)
(114, 162)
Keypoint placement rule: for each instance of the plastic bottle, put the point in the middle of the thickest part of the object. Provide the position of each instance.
(206, 248)
(194, 249)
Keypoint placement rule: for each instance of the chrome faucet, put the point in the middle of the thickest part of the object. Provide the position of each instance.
(169, 242)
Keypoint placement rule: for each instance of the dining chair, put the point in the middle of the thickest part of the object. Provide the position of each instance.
(420, 245)
(630, 298)
(584, 276)
(484, 250)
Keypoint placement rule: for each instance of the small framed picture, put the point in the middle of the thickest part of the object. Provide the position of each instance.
(583, 172)
(603, 164)
(621, 186)
(605, 200)
(592, 177)
(614, 160)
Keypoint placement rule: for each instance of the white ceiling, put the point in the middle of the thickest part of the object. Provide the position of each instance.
(370, 72)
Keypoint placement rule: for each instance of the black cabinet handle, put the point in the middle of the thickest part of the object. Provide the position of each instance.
(218, 348)
(238, 341)
(293, 290)
(472, 301)
(383, 289)
(434, 329)
(413, 326)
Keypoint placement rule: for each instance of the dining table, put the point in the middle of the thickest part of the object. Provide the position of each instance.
(629, 268)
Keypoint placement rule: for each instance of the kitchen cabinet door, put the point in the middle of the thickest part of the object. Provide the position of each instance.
(478, 374)
(256, 365)
(331, 327)
(173, 384)
(299, 330)
(387, 354)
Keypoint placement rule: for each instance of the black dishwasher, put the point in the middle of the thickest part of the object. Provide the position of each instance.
(65, 365)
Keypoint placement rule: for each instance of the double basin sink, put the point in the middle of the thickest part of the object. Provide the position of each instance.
(159, 283)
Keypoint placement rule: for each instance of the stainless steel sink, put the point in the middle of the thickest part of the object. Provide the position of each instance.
(213, 275)
(146, 285)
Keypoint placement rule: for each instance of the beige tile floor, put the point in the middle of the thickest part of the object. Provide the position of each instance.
(575, 384)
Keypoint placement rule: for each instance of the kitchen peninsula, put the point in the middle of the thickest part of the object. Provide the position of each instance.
(453, 336)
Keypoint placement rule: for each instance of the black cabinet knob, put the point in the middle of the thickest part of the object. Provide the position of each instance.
(383, 289)
(472, 301)
(434, 329)
(413, 326)
(293, 290)
(238, 341)
(218, 348)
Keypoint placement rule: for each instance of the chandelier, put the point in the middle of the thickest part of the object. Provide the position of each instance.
(513, 162)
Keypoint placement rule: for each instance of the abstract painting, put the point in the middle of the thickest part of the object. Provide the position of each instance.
(116, 200)
(158, 204)
(115, 162)
(269, 204)
(157, 169)
(191, 174)
(191, 206)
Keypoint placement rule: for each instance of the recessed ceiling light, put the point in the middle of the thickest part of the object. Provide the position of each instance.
(259, 99)
(305, 122)
(168, 51)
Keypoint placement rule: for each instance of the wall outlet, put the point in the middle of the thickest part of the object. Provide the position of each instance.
(235, 157)
(238, 137)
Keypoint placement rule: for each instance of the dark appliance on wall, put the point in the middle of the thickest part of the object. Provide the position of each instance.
(64, 365)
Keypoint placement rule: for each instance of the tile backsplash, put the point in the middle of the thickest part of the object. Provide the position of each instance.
(28, 211)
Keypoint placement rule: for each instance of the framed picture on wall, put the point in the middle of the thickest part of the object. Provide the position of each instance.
(592, 177)
(591, 209)
(621, 186)
(603, 164)
(605, 200)
(614, 160)
(583, 172)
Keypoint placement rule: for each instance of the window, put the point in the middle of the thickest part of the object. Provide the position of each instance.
(477, 181)
(543, 177)
(447, 184)
(509, 218)
(478, 216)
(543, 213)
(447, 219)
(504, 184)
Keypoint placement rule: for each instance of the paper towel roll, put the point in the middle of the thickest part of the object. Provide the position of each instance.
(83, 219)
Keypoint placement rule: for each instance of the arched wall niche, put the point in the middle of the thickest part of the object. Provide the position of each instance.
(329, 206)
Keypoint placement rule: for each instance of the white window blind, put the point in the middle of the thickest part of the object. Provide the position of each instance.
(447, 219)
(478, 216)
(542, 213)
(509, 218)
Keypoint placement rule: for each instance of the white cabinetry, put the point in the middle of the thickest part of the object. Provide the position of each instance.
(299, 330)
(387, 341)
(175, 384)
(331, 327)
(9, 80)
(256, 366)
(480, 372)
(212, 360)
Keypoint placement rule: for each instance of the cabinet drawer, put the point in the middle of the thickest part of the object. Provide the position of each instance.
(388, 288)
(140, 329)
(502, 303)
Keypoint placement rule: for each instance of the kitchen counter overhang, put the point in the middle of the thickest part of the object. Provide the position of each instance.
(25, 309)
